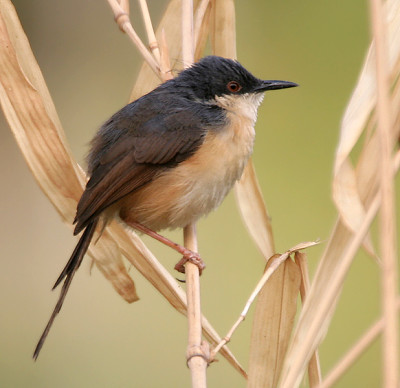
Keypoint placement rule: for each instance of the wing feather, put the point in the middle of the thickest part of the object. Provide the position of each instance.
(129, 153)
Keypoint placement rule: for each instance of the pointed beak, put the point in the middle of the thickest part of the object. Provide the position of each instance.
(272, 85)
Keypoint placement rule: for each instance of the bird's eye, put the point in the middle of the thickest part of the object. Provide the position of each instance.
(233, 86)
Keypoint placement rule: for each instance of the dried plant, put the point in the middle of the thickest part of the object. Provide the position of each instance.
(359, 193)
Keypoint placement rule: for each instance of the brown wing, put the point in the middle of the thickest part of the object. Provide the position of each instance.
(125, 159)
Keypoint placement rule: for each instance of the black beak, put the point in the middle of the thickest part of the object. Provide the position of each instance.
(272, 85)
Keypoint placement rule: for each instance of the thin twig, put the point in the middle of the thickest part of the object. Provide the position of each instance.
(389, 280)
(122, 19)
(275, 263)
(165, 62)
(197, 351)
(151, 36)
(356, 351)
(187, 33)
(314, 368)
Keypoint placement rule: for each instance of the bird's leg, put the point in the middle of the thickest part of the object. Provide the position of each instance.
(188, 255)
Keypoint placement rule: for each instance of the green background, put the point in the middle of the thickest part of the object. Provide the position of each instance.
(101, 341)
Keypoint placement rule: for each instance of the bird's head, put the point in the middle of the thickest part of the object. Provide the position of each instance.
(214, 77)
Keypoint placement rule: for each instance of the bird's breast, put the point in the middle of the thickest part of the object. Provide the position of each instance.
(196, 186)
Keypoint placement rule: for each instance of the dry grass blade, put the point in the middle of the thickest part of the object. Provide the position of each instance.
(33, 119)
(315, 317)
(343, 245)
(314, 368)
(274, 264)
(275, 313)
(201, 28)
(387, 224)
(347, 196)
(223, 36)
(355, 351)
(254, 212)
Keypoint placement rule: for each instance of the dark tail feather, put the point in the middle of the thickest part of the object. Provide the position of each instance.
(68, 273)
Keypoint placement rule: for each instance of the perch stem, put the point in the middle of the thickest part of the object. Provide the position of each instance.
(387, 222)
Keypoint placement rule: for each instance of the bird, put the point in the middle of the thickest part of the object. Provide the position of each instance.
(168, 158)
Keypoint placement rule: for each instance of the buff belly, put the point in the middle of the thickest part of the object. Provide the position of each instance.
(183, 194)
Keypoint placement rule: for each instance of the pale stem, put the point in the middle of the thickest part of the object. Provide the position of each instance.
(165, 64)
(314, 368)
(197, 351)
(151, 36)
(124, 5)
(122, 19)
(387, 222)
(187, 33)
(356, 351)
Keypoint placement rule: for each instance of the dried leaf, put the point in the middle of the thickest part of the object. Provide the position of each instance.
(253, 210)
(272, 325)
(342, 247)
(202, 28)
(348, 201)
(314, 368)
(32, 117)
(223, 36)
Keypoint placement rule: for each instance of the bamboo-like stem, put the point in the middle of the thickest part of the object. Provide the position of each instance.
(314, 368)
(122, 19)
(165, 62)
(197, 354)
(276, 261)
(124, 5)
(151, 36)
(187, 33)
(387, 223)
(197, 351)
(356, 351)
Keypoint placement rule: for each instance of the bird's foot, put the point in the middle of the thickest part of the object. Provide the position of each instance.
(193, 258)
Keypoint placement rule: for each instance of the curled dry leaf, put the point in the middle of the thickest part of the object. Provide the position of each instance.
(272, 325)
(343, 243)
(32, 117)
(346, 191)
(253, 210)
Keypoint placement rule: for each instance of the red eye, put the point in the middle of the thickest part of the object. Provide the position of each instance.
(233, 86)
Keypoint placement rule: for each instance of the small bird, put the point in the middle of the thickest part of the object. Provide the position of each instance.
(170, 157)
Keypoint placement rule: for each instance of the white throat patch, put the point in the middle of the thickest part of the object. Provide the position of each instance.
(245, 105)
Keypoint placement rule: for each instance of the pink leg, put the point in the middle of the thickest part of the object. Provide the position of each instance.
(188, 255)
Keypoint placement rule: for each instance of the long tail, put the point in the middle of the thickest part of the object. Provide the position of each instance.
(68, 273)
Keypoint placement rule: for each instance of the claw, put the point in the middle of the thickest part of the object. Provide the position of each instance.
(192, 257)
